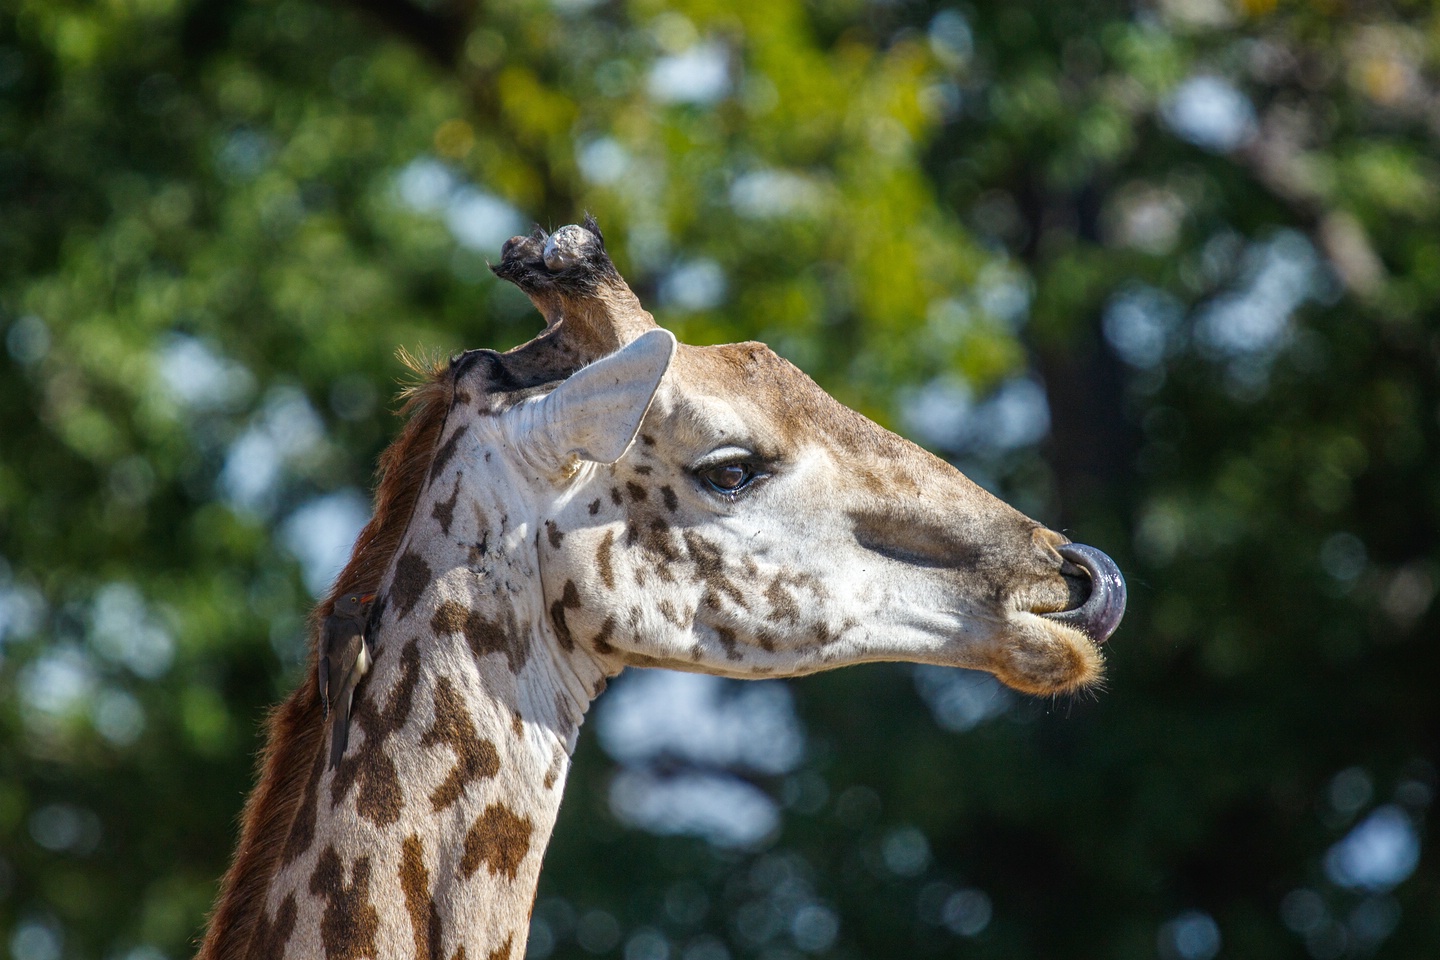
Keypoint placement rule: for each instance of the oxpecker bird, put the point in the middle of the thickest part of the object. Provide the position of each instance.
(344, 659)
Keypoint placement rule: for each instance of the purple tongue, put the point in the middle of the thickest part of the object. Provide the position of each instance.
(1100, 614)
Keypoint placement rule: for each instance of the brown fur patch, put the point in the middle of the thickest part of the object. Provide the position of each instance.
(412, 576)
(569, 600)
(294, 737)
(499, 839)
(349, 922)
(603, 560)
(302, 831)
(272, 935)
(484, 636)
(594, 507)
(501, 952)
(475, 758)
(419, 903)
(637, 492)
(378, 798)
(554, 533)
(601, 643)
(446, 451)
(444, 510)
(672, 502)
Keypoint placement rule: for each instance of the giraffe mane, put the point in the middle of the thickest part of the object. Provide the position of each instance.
(294, 731)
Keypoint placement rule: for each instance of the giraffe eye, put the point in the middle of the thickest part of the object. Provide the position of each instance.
(729, 478)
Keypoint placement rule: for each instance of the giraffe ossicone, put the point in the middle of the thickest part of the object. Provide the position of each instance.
(597, 498)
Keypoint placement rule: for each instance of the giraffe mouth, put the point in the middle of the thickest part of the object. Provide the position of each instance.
(1101, 612)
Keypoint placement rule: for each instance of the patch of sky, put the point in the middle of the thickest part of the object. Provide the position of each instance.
(1014, 416)
(961, 700)
(22, 608)
(65, 828)
(603, 160)
(123, 631)
(37, 938)
(699, 75)
(285, 431)
(905, 852)
(118, 717)
(647, 943)
(196, 377)
(1210, 112)
(814, 927)
(480, 220)
(943, 415)
(1378, 854)
(321, 532)
(1003, 292)
(425, 184)
(722, 809)
(951, 39)
(761, 194)
(1248, 326)
(1192, 935)
(27, 340)
(656, 718)
(655, 714)
(57, 684)
(243, 153)
(694, 285)
(967, 912)
(477, 219)
(1142, 324)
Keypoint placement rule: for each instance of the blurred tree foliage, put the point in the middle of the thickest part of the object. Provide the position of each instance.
(1197, 240)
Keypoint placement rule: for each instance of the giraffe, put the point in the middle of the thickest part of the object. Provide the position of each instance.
(602, 497)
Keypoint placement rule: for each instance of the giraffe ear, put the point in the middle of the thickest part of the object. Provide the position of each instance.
(596, 413)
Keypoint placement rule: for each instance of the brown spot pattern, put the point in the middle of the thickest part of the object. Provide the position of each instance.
(644, 470)
(782, 604)
(637, 492)
(483, 635)
(710, 567)
(412, 576)
(554, 533)
(444, 510)
(368, 767)
(475, 758)
(302, 830)
(419, 903)
(499, 839)
(672, 502)
(601, 643)
(569, 600)
(349, 921)
(594, 507)
(272, 935)
(615, 497)
(446, 451)
(501, 952)
(603, 561)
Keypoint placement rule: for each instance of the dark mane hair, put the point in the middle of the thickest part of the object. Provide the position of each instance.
(294, 731)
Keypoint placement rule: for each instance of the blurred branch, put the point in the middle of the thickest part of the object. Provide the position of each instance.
(1277, 159)
(441, 35)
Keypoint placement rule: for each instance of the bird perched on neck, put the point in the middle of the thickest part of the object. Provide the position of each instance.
(344, 659)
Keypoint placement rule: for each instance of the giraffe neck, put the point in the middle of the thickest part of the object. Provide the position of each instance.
(426, 840)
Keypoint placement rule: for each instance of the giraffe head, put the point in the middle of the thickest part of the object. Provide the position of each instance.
(712, 509)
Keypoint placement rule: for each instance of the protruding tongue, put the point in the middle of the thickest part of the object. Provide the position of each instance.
(1100, 614)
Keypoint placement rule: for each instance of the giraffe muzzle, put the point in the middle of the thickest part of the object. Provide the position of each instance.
(1101, 612)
